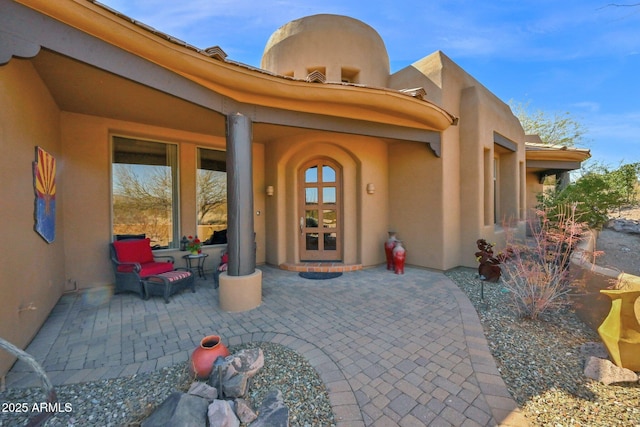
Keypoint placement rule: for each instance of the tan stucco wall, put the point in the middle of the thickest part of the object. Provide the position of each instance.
(32, 270)
(365, 216)
(464, 150)
(87, 146)
(534, 187)
(416, 203)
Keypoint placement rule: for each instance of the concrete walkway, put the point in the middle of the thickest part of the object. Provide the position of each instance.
(392, 350)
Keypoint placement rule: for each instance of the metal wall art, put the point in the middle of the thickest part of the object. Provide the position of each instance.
(44, 183)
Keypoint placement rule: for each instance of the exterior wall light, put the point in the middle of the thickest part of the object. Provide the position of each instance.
(270, 190)
(371, 188)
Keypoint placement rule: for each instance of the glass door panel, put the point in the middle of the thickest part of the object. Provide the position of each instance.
(320, 226)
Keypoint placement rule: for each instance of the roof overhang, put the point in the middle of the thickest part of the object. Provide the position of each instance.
(546, 160)
(244, 84)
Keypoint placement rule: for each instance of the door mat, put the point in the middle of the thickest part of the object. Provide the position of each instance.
(318, 275)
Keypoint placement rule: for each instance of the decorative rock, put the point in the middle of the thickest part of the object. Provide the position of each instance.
(272, 412)
(237, 386)
(235, 371)
(624, 225)
(248, 361)
(203, 390)
(595, 349)
(245, 412)
(606, 372)
(179, 410)
(220, 414)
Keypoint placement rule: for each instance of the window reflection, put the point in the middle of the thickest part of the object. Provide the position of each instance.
(311, 174)
(312, 218)
(312, 241)
(330, 241)
(329, 218)
(311, 196)
(328, 174)
(329, 195)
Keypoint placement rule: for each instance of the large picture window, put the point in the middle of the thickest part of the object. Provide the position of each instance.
(211, 194)
(145, 194)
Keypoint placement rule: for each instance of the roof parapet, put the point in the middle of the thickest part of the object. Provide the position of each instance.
(216, 52)
(316, 77)
(416, 92)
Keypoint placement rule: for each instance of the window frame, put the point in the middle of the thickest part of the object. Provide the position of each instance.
(223, 157)
(173, 160)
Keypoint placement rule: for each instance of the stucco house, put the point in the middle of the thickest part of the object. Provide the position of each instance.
(337, 150)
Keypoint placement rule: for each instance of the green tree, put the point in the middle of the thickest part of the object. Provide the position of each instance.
(625, 180)
(593, 196)
(553, 129)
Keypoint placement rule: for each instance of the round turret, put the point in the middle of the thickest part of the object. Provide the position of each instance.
(343, 49)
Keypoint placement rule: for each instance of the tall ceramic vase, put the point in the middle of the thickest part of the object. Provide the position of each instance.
(204, 355)
(399, 256)
(388, 249)
(620, 330)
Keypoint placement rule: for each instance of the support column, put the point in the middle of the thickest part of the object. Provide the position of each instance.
(240, 235)
(241, 285)
(563, 179)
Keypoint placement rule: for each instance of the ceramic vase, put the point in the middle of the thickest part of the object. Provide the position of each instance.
(399, 256)
(620, 330)
(204, 355)
(388, 249)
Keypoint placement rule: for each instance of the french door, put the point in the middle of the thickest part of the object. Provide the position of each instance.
(319, 211)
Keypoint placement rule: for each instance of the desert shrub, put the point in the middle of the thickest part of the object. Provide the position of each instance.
(537, 271)
(598, 192)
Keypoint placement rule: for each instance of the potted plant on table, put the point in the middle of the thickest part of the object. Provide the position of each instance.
(194, 245)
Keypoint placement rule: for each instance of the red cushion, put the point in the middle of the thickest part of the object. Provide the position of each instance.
(152, 268)
(134, 250)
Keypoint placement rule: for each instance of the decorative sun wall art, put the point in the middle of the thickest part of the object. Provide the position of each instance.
(44, 182)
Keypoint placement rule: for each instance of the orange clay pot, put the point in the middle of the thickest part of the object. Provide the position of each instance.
(203, 356)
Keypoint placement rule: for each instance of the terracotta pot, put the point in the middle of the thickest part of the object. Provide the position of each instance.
(203, 356)
(620, 330)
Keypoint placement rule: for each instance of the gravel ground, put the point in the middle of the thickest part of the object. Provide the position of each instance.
(541, 363)
(127, 401)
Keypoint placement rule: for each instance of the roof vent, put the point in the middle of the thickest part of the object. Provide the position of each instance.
(316, 77)
(416, 92)
(216, 52)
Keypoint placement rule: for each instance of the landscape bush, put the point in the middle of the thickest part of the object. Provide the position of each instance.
(536, 273)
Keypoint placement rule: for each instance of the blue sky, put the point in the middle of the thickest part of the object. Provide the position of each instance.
(576, 56)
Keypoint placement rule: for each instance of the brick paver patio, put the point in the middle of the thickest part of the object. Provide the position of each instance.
(393, 350)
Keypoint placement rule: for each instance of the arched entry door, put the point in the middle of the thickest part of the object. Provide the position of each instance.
(319, 211)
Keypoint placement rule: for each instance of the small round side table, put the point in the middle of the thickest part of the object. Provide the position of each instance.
(196, 263)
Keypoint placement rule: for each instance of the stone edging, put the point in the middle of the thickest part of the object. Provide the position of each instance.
(504, 408)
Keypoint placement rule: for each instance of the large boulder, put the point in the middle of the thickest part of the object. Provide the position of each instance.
(203, 390)
(245, 412)
(179, 410)
(606, 372)
(221, 414)
(236, 386)
(231, 375)
(272, 412)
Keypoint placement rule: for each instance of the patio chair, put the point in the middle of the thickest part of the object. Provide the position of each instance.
(137, 270)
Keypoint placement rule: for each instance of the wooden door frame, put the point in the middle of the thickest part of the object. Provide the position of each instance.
(303, 227)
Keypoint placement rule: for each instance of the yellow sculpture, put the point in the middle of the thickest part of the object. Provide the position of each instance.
(620, 330)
